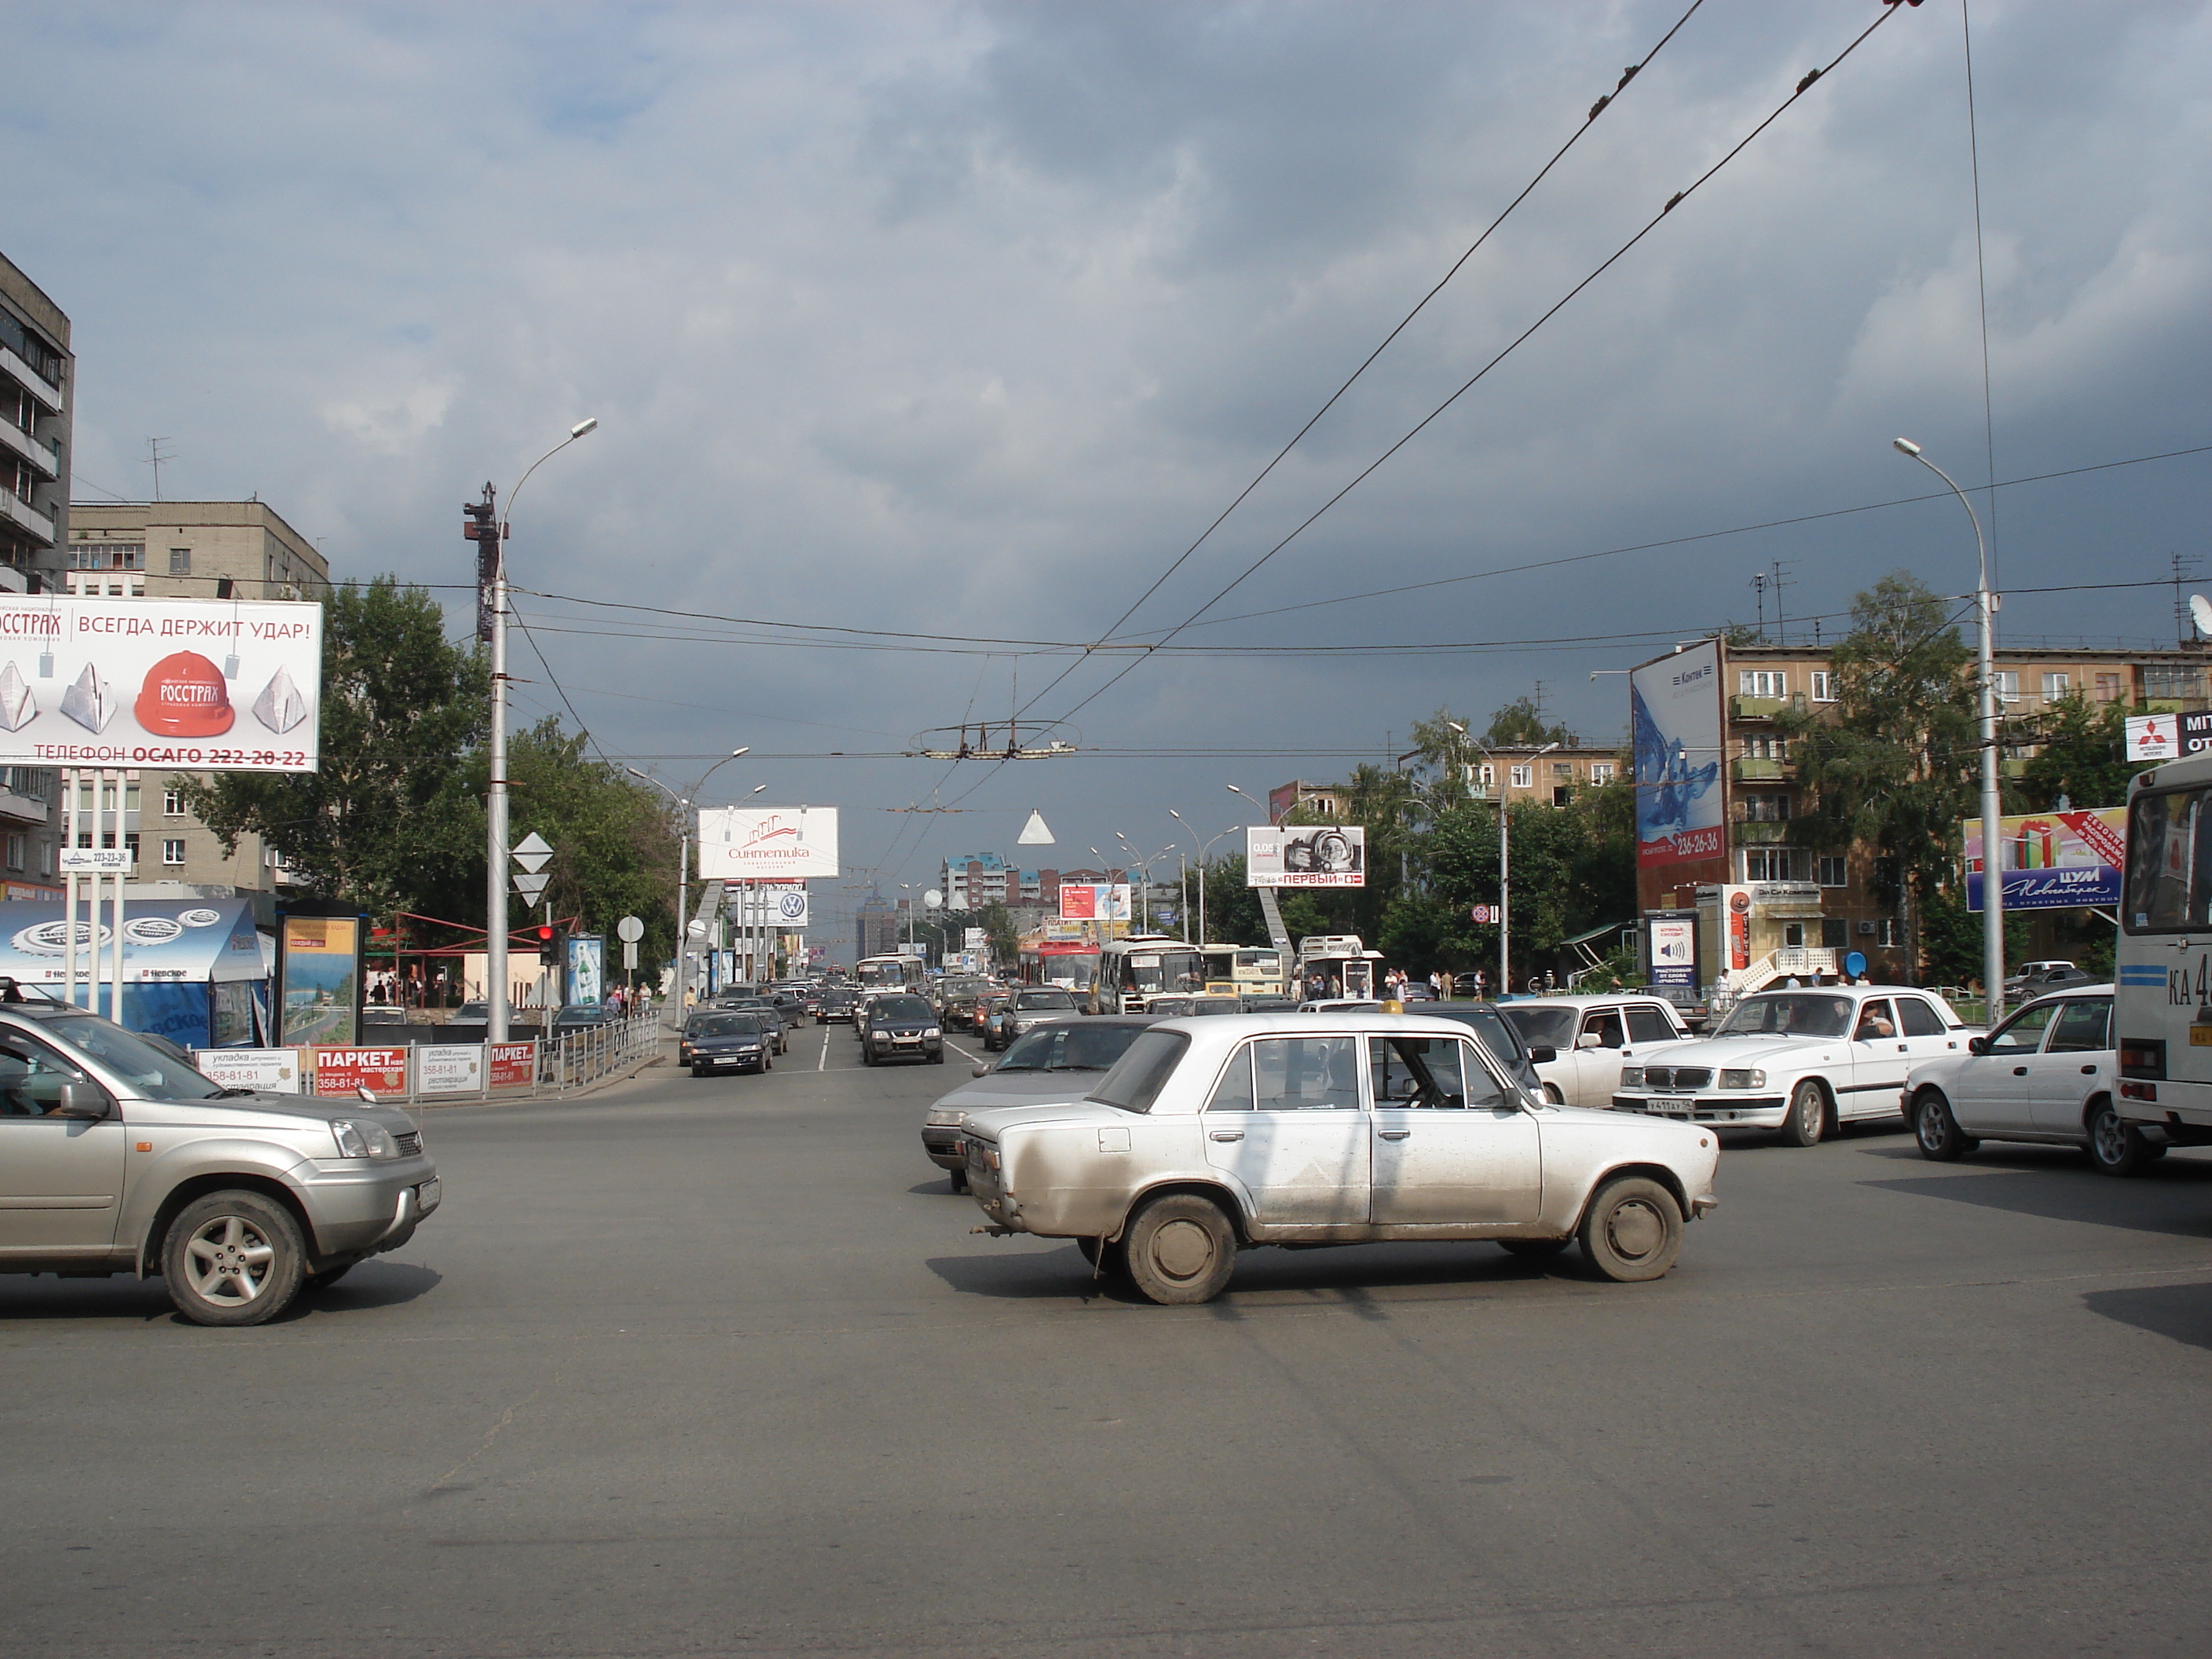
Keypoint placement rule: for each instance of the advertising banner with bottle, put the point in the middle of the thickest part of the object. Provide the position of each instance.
(2053, 860)
(210, 684)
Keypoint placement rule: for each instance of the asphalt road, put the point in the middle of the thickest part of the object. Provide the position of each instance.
(716, 1367)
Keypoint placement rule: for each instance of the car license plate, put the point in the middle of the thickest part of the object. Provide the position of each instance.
(2200, 1036)
(425, 1196)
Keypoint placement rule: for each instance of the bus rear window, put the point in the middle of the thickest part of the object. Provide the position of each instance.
(2169, 861)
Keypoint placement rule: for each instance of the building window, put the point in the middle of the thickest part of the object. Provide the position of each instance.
(1562, 793)
(1887, 931)
(45, 858)
(172, 852)
(1601, 771)
(1766, 809)
(180, 561)
(2111, 687)
(2055, 686)
(14, 851)
(172, 802)
(2168, 681)
(1764, 748)
(1485, 775)
(1824, 685)
(1564, 770)
(107, 556)
(1524, 777)
(1768, 864)
(1762, 683)
(1833, 872)
(2007, 685)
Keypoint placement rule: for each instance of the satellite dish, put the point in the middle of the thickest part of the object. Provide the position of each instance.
(2200, 611)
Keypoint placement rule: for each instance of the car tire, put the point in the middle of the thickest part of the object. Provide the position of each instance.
(1936, 1131)
(2117, 1148)
(328, 1277)
(233, 1258)
(1551, 1093)
(1180, 1251)
(768, 1063)
(1632, 1230)
(958, 1180)
(938, 1059)
(1533, 1249)
(698, 1071)
(1808, 1115)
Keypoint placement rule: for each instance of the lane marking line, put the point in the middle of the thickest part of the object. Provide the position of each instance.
(973, 1059)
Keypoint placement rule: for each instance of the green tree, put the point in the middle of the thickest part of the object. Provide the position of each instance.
(999, 932)
(2083, 758)
(1521, 721)
(401, 709)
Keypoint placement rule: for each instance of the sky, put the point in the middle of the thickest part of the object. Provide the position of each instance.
(960, 323)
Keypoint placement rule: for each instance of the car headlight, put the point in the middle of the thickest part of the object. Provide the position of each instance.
(1632, 1077)
(1754, 1078)
(362, 1139)
(934, 1031)
(943, 1116)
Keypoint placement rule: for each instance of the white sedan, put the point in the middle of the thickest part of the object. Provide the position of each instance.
(1805, 1062)
(2044, 1075)
(1589, 1038)
(1210, 1136)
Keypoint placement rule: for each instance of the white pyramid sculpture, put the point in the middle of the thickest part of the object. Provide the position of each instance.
(18, 708)
(89, 702)
(280, 707)
(1035, 833)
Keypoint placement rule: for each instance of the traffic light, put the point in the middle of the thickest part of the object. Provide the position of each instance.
(545, 938)
(481, 526)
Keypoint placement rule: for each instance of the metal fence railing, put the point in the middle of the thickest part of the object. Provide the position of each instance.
(573, 1059)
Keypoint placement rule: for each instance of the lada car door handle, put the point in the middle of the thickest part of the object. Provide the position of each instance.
(1394, 1134)
(1225, 1135)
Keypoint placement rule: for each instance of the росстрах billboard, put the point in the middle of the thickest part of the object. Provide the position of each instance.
(1677, 713)
(211, 684)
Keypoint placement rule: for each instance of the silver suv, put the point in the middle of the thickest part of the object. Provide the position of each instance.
(118, 1157)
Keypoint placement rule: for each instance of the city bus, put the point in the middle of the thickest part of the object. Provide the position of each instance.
(891, 972)
(1254, 970)
(1132, 971)
(2162, 994)
(1343, 961)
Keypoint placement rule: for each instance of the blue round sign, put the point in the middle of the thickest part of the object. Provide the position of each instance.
(1855, 964)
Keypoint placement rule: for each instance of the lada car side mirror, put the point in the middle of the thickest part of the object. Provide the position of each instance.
(80, 1100)
(1979, 1045)
(1589, 1040)
(1543, 1056)
(363, 1092)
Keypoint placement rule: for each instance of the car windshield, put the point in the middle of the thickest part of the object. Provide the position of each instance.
(1542, 1028)
(155, 1075)
(902, 1008)
(1789, 1013)
(728, 1025)
(1483, 1020)
(1077, 1045)
(1028, 999)
(1139, 1076)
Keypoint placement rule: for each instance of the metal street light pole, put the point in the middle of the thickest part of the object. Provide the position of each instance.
(495, 850)
(1992, 850)
(1504, 855)
(1205, 847)
(683, 806)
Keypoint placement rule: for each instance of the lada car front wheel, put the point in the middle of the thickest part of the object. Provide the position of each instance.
(1181, 1249)
(1632, 1230)
(233, 1258)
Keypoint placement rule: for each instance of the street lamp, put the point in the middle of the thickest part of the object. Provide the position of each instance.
(1992, 849)
(1144, 877)
(683, 806)
(495, 878)
(1202, 851)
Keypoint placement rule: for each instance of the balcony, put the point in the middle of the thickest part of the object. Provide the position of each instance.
(1759, 708)
(1761, 832)
(43, 457)
(1748, 769)
(21, 808)
(36, 383)
(20, 514)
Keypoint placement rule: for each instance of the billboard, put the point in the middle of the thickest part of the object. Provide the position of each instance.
(780, 905)
(1672, 943)
(2170, 736)
(584, 966)
(1675, 709)
(320, 960)
(1306, 855)
(1086, 900)
(2053, 860)
(767, 843)
(213, 684)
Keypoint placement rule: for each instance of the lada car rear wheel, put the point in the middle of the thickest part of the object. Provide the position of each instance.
(1936, 1130)
(1181, 1249)
(233, 1259)
(1808, 1115)
(1632, 1230)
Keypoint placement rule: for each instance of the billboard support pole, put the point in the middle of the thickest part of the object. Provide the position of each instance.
(70, 888)
(1992, 845)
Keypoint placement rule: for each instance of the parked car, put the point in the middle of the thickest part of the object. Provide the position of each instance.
(1485, 1020)
(902, 1025)
(382, 1014)
(115, 1157)
(1589, 1037)
(1212, 1136)
(1195, 1007)
(2045, 1074)
(1032, 1005)
(836, 1003)
(581, 1016)
(1340, 1005)
(1805, 1062)
(744, 1041)
(1268, 1005)
(1413, 991)
(478, 1014)
(1056, 1061)
(2037, 979)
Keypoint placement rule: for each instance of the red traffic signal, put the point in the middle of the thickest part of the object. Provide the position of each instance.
(544, 935)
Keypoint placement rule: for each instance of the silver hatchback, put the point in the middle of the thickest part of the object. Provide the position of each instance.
(117, 1157)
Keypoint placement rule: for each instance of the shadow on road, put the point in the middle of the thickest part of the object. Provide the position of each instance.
(2182, 1312)
(371, 1285)
(1346, 1274)
(2173, 1197)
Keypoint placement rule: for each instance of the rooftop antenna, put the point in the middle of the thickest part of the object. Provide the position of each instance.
(2185, 568)
(1758, 592)
(1781, 629)
(155, 458)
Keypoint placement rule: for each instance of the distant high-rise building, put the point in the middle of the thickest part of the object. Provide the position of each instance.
(875, 923)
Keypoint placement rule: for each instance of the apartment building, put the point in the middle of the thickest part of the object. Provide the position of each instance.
(192, 550)
(1759, 887)
(1544, 774)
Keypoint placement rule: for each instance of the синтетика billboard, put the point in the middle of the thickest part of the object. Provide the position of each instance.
(767, 843)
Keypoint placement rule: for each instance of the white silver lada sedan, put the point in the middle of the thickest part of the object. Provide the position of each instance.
(1210, 1136)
